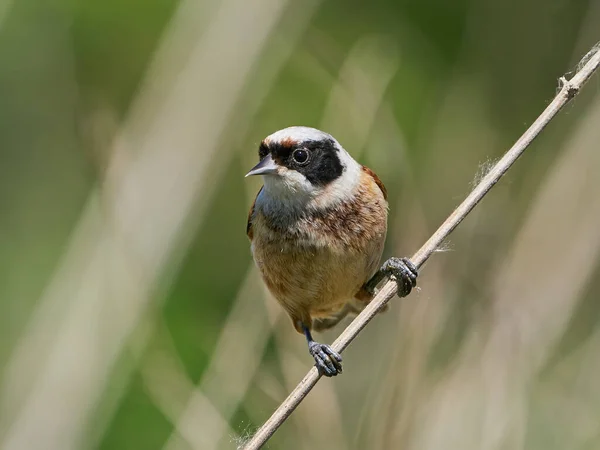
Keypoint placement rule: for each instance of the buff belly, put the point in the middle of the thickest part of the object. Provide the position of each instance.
(315, 282)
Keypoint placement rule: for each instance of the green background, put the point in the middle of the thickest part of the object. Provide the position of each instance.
(130, 313)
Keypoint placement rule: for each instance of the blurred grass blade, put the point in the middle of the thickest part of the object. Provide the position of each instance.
(132, 234)
(530, 310)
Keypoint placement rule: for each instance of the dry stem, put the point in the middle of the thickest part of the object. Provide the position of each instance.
(569, 89)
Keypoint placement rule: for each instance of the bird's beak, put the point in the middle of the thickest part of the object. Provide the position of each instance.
(265, 167)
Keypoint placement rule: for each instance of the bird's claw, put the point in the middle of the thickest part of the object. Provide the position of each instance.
(405, 273)
(327, 360)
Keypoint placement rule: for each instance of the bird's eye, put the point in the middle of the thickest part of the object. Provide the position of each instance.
(301, 156)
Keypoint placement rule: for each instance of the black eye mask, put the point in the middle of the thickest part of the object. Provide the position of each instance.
(322, 165)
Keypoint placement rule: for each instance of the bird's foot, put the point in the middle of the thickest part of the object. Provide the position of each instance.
(327, 360)
(404, 272)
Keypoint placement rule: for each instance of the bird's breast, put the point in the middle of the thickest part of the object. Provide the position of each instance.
(316, 262)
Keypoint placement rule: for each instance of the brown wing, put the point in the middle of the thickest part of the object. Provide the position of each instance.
(377, 180)
(250, 214)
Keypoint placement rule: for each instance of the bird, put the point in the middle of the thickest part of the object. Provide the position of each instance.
(317, 230)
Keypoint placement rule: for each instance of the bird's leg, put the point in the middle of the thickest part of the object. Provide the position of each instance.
(327, 360)
(402, 270)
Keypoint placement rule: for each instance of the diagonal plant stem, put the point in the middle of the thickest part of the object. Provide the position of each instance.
(569, 89)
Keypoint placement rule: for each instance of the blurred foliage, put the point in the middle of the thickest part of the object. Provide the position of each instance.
(471, 75)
